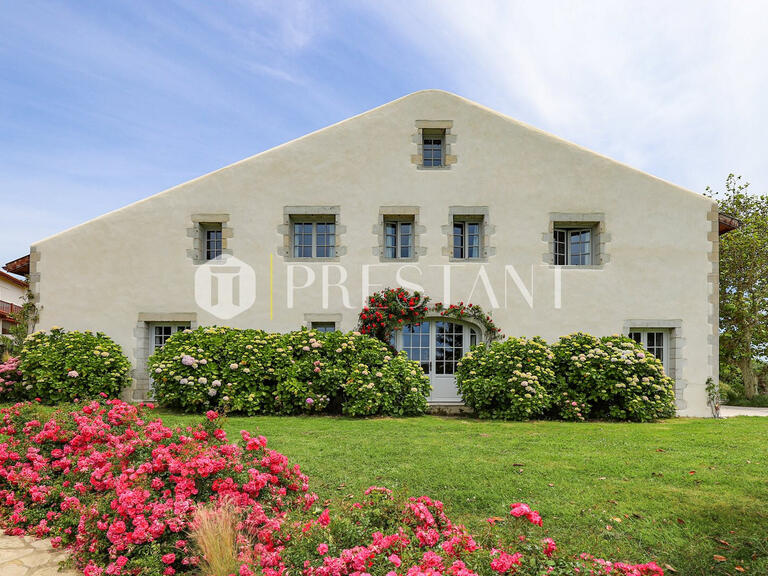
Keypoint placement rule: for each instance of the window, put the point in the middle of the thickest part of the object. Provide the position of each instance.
(433, 142)
(211, 243)
(655, 341)
(323, 326)
(573, 246)
(466, 238)
(314, 239)
(160, 333)
(398, 239)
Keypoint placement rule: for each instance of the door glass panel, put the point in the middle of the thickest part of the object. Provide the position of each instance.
(449, 346)
(416, 344)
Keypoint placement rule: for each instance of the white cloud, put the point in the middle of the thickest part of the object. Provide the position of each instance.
(675, 88)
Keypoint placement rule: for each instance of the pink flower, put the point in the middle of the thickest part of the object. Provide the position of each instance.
(169, 558)
(211, 415)
(322, 549)
(505, 562)
(73, 374)
(549, 547)
(310, 401)
(395, 559)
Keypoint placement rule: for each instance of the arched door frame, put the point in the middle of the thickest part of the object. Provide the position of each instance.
(439, 350)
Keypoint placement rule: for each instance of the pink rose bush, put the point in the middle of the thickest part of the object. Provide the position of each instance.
(120, 491)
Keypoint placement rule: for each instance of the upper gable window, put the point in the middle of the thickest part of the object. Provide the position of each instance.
(314, 238)
(433, 147)
(213, 244)
(434, 140)
(211, 240)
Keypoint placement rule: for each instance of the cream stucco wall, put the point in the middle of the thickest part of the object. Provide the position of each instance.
(661, 251)
(11, 292)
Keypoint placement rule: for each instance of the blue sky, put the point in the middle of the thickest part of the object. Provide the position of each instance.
(105, 103)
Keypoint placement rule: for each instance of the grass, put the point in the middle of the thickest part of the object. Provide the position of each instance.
(679, 491)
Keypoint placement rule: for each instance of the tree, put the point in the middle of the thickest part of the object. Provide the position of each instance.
(744, 281)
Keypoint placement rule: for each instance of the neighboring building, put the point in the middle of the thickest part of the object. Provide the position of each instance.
(12, 292)
(551, 237)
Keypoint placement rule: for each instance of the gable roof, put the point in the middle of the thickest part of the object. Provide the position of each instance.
(13, 280)
(21, 265)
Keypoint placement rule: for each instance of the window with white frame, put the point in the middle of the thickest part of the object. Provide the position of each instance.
(467, 238)
(398, 238)
(655, 341)
(433, 147)
(211, 240)
(574, 246)
(323, 326)
(160, 333)
(313, 238)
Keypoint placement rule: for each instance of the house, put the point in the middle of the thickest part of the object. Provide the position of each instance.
(430, 191)
(12, 292)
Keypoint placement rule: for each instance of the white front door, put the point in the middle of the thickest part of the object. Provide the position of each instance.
(438, 345)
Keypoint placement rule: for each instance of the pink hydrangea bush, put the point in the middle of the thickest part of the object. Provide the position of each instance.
(11, 386)
(121, 491)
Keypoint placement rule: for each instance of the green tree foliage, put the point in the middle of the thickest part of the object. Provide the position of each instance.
(743, 281)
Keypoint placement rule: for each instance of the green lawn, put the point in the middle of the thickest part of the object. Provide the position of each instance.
(678, 492)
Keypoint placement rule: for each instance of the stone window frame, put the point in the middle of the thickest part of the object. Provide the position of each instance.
(393, 212)
(595, 220)
(677, 360)
(311, 317)
(141, 389)
(417, 138)
(308, 212)
(487, 230)
(198, 224)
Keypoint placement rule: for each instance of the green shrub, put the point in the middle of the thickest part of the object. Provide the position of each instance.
(507, 380)
(62, 366)
(304, 371)
(614, 376)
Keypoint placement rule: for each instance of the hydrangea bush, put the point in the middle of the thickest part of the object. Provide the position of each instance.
(11, 385)
(508, 380)
(611, 377)
(299, 372)
(120, 491)
(60, 366)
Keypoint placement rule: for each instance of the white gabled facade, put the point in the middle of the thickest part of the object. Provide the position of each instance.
(12, 292)
(639, 254)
